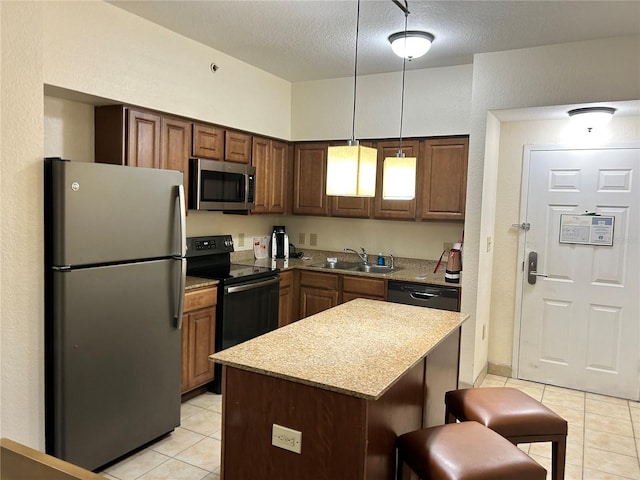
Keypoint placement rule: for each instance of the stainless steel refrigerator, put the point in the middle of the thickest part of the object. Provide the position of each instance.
(114, 284)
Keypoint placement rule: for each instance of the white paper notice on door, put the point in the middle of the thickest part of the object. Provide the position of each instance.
(587, 229)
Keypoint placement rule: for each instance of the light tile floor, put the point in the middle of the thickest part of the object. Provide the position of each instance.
(603, 441)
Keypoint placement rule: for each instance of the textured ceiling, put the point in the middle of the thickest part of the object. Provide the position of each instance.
(300, 40)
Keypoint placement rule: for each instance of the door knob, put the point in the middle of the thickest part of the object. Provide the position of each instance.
(532, 268)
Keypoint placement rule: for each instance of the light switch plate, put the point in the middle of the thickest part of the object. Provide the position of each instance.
(286, 438)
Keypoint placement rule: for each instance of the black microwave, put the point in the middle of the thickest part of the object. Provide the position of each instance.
(215, 185)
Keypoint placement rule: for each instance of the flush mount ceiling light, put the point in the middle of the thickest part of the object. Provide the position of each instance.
(351, 168)
(411, 44)
(591, 117)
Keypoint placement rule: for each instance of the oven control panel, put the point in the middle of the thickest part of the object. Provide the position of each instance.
(209, 245)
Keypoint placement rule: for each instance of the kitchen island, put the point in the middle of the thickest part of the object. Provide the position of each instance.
(350, 379)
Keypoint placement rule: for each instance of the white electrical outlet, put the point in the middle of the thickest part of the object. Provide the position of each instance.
(301, 238)
(241, 239)
(286, 438)
(313, 239)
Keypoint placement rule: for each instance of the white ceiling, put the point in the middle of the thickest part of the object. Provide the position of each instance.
(300, 40)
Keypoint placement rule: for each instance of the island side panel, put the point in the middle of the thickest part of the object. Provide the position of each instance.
(332, 425)
(399, 410)
(441, 376)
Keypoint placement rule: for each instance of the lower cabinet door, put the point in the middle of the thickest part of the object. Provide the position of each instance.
(198, 336)
(315, 300)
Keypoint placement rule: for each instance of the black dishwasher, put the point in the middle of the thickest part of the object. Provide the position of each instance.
(421, 295)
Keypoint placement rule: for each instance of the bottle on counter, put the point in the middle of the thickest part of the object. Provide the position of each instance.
(380, 259)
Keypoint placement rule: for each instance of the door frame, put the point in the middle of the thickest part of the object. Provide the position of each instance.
(524, 202)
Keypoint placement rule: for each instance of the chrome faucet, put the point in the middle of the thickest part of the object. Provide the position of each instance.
(363, 256)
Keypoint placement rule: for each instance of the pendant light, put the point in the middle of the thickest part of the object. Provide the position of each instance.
(351, 168)
(399, 172)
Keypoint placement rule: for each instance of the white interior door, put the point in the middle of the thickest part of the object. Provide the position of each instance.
(580, 322)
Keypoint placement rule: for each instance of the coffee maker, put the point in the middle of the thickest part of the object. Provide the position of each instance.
(279, 242)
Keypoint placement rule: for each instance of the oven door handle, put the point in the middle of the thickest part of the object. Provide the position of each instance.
(251, 286)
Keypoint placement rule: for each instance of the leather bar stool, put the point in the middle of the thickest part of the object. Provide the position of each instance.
(514, 415)
(464, 451)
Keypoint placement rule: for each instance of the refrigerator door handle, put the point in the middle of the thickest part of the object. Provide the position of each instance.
(183, 221)
(180, 300)
(181, 258)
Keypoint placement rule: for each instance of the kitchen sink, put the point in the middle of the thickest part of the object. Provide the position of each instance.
(337, 265)
(355, 267)
(375, 268)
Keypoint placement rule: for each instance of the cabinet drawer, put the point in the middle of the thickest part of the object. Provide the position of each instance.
(372, 287)
(328, 281)
(286, 279)
(201, 298)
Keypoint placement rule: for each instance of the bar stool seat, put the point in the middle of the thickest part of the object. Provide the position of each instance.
(514, 415)
(464, 451)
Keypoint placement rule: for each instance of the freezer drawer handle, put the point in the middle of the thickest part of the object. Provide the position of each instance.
(251, 286)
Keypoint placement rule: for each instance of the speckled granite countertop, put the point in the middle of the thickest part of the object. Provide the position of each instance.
(197, 282)
(359, 348)
(410, 269)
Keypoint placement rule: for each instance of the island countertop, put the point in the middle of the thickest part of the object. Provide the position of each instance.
(360, 348)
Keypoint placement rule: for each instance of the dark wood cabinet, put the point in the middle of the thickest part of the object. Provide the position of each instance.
(353, 207)
(176, 145)
(271, 160)
(310, 177)
(208, 142)
(444, 178)
(237, 147)
(143, 139)
(285, 312)
(354, 286)
(198, 337)
(394, 209)
(318, 292)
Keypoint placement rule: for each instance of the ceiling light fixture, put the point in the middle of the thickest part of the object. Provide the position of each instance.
(399, 172)
(591, 117)
(411, 44)
(351, 168)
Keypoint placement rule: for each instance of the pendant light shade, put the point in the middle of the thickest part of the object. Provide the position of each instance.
(399, 172)
(351, 170)
(399, 178)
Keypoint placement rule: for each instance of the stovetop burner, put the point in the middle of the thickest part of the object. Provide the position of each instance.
(209, 257)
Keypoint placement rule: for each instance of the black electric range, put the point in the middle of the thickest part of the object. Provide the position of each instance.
(248, 296)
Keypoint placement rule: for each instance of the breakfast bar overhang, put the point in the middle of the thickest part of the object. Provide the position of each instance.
(349, 379)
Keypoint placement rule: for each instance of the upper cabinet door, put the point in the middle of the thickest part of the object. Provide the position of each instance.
(444, 179)
(176, 147)
(208, 142)
(143, 139)
(279, 176)
(271, 159)
(237, 147)
(310, 178)
(395, 209)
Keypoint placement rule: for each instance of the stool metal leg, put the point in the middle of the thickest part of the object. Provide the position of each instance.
(558, 457)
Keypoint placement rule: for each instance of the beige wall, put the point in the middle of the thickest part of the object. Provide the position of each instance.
(532, 77)
(97, 49)
(506, 272)
(437, 102)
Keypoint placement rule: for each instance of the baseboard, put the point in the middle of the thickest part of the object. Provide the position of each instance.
(502, 370)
